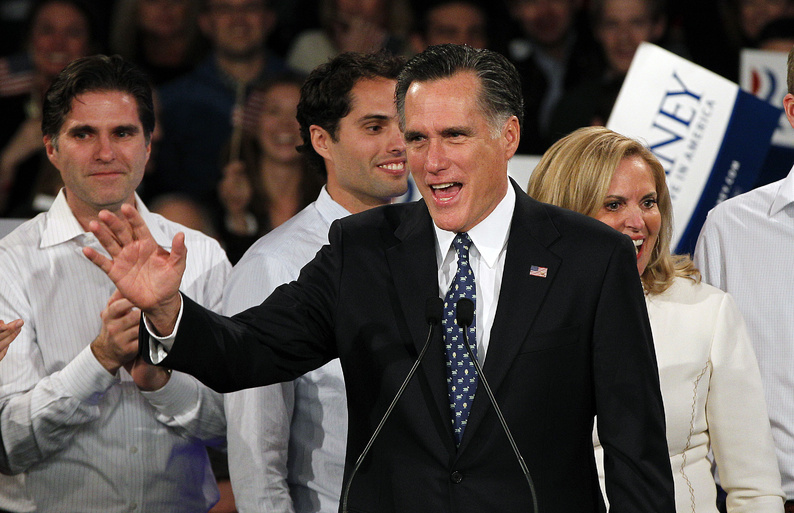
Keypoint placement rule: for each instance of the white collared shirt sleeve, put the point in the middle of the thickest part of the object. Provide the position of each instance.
(65, 420)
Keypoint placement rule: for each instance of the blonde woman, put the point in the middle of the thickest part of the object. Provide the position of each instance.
(709, 377)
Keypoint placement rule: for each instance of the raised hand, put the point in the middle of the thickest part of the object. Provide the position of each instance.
(144, 273)
(8, 332)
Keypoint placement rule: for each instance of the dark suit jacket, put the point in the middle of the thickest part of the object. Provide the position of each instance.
(562, 349)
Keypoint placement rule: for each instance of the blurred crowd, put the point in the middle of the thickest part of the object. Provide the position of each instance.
(228, 72)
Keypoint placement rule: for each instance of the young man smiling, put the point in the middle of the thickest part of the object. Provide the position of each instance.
(287, 441)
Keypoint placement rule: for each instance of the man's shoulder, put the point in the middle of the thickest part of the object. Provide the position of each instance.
(24, 237)
(756, 203)
(303, 234)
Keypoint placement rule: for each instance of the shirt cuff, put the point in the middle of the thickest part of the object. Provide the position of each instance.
(86, 378)
(179, 395)
(160, 345)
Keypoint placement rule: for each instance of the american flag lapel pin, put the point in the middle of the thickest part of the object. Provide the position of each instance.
(536, 270)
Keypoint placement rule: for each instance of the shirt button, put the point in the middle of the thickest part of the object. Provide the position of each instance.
(456, 477)
(133, 449)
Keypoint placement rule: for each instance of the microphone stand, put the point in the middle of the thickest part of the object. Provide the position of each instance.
(465, 316)
(433, 312)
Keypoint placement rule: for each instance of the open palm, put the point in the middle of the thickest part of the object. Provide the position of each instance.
(144, 273)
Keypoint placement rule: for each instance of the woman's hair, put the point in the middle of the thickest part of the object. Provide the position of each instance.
(250, 152)
(575, 173)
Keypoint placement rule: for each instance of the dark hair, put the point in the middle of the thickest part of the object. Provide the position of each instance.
(90, 74)
(325, 95)
(82, 6)
(501, 95)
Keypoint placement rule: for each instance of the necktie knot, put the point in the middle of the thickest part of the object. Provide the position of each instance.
(462, 243)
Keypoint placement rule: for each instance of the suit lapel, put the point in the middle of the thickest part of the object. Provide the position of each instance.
(520, 297)
(412, 263)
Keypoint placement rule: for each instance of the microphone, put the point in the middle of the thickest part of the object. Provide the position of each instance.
(434, 311)
(464, 317)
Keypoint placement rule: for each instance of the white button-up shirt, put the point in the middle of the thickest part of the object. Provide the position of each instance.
(90, 441)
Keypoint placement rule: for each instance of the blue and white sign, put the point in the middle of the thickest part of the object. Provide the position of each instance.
(710, 136)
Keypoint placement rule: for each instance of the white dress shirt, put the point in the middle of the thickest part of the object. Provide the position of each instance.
(90, 441)
(487, 261)
(745, 248)
(286, 441)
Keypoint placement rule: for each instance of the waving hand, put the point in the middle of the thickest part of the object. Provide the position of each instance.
(145, 273)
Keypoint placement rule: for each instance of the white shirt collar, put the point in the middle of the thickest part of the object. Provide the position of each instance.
(785, 194)
(328, 208)
(489, 235)
(61, 225)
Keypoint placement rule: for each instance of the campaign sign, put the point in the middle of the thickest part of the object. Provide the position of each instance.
(763, 74)
(710, 136)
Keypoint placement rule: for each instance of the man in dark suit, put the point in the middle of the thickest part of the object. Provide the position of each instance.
(561, 325)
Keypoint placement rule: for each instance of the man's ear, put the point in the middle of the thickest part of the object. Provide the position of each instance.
(321, 141)
(49, 147)
(511, 132)
(788, 108)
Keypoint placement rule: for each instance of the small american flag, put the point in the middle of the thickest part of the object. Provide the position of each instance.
(538, 271)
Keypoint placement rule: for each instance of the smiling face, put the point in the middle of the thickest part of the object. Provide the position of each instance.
(365, 162)
(59, 35)
(100, 151)
(457, 159)
(279, 131)
(631, 207)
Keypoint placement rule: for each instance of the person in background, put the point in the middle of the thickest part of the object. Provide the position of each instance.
(160, 36)
(184, 210)
(287, 441)
(777, 35)
(461, 22)
(711, 386)
(352, 26)
(59, 31)
(198, 110)
(554, 53)
(92, 427)
(619, 26)
(269, 181)
(755, 229)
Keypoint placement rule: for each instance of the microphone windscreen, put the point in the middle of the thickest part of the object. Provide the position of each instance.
(434, 310)
(465, 310)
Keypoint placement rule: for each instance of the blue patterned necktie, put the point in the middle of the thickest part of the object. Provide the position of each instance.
(461, 374)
